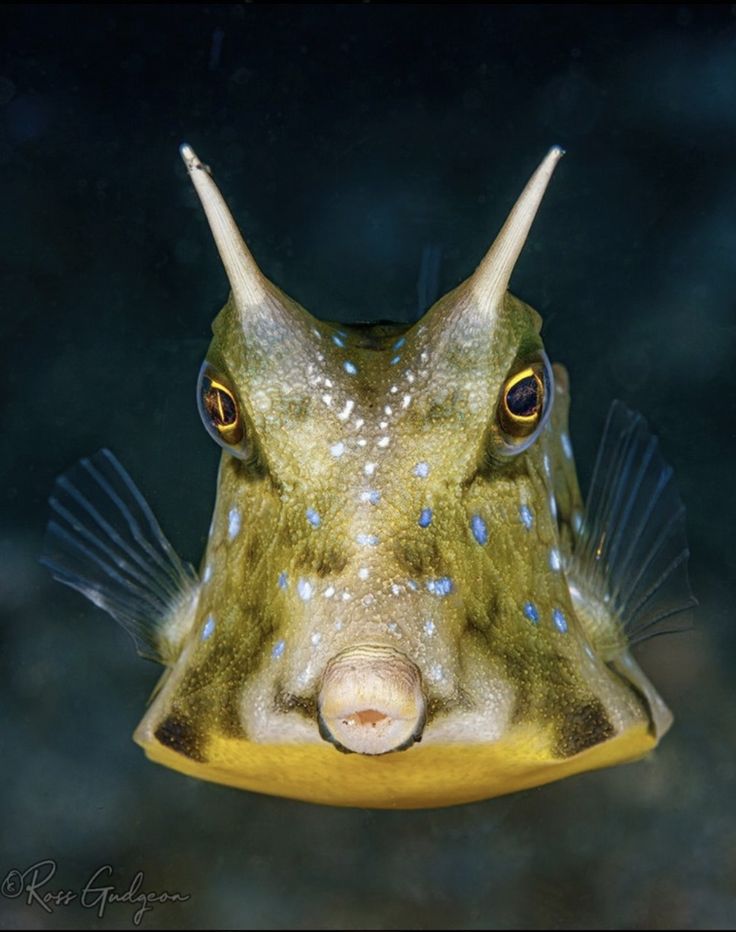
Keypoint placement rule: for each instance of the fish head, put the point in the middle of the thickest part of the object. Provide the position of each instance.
(385, 572)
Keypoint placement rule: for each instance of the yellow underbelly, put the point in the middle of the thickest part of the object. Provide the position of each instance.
(429, 776)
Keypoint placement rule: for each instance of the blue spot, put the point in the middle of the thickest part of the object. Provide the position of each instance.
(479, 529)
(425, 518)
(350, 367)
(338, 341)
(530, 611)
(278, 649)
(559, 620)
(527, 518)
(283, 580)
(313, 518)
(395, 360)
(440, 587)
(429, 628)
(421, 470)
(399, 343)
(209, 627)
(374, 497)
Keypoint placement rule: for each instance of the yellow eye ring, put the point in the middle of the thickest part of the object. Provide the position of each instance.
(522, 402)
(220, 404)
(219, 409)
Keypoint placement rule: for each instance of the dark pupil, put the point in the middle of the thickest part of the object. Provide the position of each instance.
(523, 399)
(220, 407)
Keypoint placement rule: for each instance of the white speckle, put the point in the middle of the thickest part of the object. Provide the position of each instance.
(207, 573)
(406, 401)
(368, 599)
(545, 461)
(313, 517)
(383, 442)
(388, 410)
(329, 592)
(362, 442)
(395, 360)
(366, 540)
(327, 400)
(316, 333)
(383, 425)
(364, 572)
(328, 383)
(589, 651)
(208, 628)
(320, 357)
(393, 628)
(278, 649)
(350, 367)
(410, 377)
(338, 625)
(395, 589)
(412, 584)
(394, 389)
(553, 507)
(555, 561)
(577, 522)
(421, 470)
(305, 589)
(436, 672)
(424, 356)
(346, 411)
(359, 422)
(369, 468)
(372, 497)
(346, 596)
(338, 341)
(429, 628)
(566, 445)
(337, 449)
(233, 523)
(316, 638)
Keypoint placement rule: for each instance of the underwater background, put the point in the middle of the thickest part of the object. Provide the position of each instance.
(356, 145)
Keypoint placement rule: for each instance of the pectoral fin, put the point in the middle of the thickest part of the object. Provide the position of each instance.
(105, 542)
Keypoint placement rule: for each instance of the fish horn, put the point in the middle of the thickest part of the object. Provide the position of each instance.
(491, 279)
(246, 279)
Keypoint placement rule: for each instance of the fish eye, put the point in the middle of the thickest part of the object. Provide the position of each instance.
(525, 403)
(220, 411)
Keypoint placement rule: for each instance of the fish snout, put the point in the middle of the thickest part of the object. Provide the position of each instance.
(371, 701)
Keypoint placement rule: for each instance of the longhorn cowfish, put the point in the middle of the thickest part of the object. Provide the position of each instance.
(403, 601)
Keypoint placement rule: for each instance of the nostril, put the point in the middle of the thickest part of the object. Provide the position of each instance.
(371, 701)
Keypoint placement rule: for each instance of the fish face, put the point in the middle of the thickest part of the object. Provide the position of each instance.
(385, 574)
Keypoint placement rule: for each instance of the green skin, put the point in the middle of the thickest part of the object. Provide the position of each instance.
(485, 667)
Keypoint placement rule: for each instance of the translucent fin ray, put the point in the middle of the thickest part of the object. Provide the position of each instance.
(631, 554)
(104, 541)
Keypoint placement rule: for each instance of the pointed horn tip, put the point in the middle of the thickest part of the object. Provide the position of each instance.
(556, 153)
(191, 159)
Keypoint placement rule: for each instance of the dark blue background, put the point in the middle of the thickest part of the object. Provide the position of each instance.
(346, 139)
